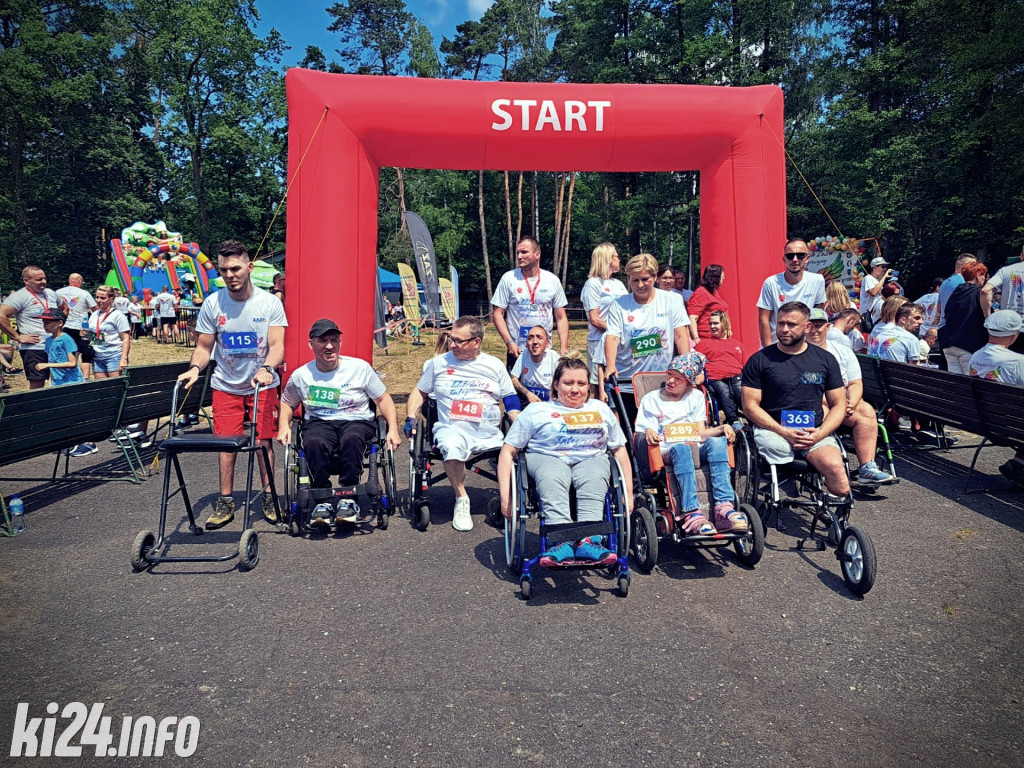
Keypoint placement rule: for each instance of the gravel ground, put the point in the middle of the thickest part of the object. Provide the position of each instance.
(398, 648)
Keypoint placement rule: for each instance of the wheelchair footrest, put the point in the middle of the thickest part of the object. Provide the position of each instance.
(577, 563)
(556, 534)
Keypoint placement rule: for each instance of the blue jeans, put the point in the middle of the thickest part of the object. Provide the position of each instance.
(714, 451)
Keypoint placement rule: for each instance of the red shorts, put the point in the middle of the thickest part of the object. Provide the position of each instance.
(230, 411)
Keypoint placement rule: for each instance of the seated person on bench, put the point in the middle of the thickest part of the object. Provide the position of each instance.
(532, 372)
(675, 417)
(860, 416)
(567, 441)
(783, 386)
(470, 386)
(334, 392)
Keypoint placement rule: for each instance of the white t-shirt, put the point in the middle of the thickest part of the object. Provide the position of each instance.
(869, 303)
(776, 291)
(646, 333)
(876, 336)
(600, 295)
(135, 312)
(656, 412)
(1010, 282)
(848, 364)
(165, 303)
(930, 302)
(121, 304)
(835, 336)
(899, 344)
(468, 392)
(106, 329)
(537, 377)
(80, 303)
(570, 434)
(996, 362)
(242, 343)
(528, 302)
(28, 307)
(343, 394)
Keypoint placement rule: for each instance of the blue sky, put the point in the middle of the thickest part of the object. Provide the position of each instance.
(304, 22)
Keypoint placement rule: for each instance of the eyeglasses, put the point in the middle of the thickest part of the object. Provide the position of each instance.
(796, 255)
(460, 342)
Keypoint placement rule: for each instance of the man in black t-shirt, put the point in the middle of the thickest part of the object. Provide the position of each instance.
(783, 386)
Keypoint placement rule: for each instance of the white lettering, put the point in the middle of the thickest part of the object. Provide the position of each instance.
(574, 113)
(164, 734)
(548, 116)
(524, 105)
(24, 739)
(497, 108)
(599, 106)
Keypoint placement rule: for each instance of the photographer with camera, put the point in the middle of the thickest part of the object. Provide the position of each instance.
(871, 288)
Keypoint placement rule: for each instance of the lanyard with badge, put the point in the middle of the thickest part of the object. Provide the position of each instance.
(99, 323)
(533, 316)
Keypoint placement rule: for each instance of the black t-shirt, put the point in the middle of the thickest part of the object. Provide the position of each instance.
(793, 382)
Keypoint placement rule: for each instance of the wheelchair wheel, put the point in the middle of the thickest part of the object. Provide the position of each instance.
(390, 486)
(624, 585)
(643, 538)
(620, 493)
(291, 471)
(750, 548)
(422, 518)
(141, 548)
(857, 558)
(745, 478)
(515, 529)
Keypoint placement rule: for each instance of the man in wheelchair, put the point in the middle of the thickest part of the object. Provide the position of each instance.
(783, 386)
(470, 387)
(335, 393)
(674, 418)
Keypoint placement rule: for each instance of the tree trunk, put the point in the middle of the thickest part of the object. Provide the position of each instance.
(508, 224)
(401, 199)
(559, 197)
(568, 227)
(483, 233)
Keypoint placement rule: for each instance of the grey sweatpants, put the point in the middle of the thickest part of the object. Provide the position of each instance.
(552, 478)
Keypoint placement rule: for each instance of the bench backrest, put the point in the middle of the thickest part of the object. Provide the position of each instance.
(42, 421)
(149, 390)
(1001, 407)
(933, 394)
(875, 391)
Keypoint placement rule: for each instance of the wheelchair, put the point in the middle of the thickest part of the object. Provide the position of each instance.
(151, 547)
(656, 512)
(424, 456)
(760, 484)
(525, 504)
(379, 488)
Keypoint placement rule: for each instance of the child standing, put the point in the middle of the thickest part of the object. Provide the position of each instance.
(61, 351)
(675, 417)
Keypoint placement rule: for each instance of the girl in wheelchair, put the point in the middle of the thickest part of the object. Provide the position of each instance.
(567, 440)
(674, 418)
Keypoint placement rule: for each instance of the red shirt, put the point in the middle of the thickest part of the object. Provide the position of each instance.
(725, 357)
(702, 304)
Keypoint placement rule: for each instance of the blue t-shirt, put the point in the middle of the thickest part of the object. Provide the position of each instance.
(57, 351)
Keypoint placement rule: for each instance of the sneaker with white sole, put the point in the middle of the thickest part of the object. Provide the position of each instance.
(321, 515)
(871, 474)
(82, 450)
(348, 512)
(461, 520)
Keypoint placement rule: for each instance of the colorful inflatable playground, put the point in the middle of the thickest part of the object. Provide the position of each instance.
(149, 256)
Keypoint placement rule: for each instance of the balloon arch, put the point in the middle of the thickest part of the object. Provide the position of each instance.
(343, 128)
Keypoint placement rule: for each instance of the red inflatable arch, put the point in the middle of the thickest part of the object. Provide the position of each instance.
(728, 134)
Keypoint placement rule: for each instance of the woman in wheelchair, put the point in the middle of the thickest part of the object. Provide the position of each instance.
(676, 417)
(567, 440)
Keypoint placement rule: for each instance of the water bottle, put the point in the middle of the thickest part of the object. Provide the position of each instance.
(17, 508)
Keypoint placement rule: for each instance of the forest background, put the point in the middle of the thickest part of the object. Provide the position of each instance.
(906, 117)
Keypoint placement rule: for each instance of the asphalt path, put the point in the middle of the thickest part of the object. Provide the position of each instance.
(400, 648)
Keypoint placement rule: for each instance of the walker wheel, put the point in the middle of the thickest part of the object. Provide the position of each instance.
(526, 586)
(248, 550)
(423, 515)
(141, 548)
(382, 520)
(624, 585)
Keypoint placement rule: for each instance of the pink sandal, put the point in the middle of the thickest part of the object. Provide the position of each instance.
(728, 520)
(696, 523)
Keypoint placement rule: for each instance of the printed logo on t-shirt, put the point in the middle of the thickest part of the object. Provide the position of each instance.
(222, 320)
(812, 377)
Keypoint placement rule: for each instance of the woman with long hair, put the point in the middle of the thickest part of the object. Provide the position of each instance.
(705, 300)
(598, 294)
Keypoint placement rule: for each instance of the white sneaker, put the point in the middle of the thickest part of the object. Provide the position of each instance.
(461, 520)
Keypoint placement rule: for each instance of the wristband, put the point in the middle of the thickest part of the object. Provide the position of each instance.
(509, 342)
(196, 367)
(268, 368)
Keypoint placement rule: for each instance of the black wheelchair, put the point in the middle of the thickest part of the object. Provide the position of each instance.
(424, 457)
(525, 504)
(656, 510)
(379, 487)
(761, 484)
(149, 547)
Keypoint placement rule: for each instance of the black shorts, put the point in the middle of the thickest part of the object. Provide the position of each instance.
(85, 351)
(30, 358)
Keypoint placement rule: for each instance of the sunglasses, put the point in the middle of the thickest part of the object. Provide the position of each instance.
(796, 256)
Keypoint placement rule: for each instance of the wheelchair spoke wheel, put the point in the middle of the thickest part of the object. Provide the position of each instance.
(390, 486)
(744, 475)
(515, 530)
(857, 558)
(643, 539)
(750, 548)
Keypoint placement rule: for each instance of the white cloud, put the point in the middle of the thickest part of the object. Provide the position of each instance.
(478, 7)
